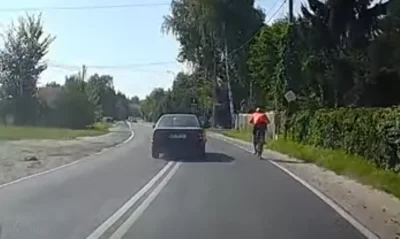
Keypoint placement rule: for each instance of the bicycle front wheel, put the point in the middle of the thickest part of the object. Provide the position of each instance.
(260, 150)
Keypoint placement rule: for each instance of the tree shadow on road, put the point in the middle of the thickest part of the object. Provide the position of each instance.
(211, 157)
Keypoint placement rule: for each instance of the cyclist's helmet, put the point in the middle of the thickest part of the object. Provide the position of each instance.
(258, 110)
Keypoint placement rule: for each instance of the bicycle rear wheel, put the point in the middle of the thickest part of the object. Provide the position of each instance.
(260, 149)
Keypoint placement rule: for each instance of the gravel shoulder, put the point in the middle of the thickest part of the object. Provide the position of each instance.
(377, 210)
(26, 157)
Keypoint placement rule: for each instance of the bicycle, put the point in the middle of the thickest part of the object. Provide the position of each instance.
(259, 144)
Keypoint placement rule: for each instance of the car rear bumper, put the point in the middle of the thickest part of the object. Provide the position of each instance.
(179, 149)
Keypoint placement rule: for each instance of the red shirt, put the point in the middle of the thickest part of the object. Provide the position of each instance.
(259, 118)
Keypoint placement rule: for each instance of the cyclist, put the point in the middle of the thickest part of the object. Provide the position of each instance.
(260, 122)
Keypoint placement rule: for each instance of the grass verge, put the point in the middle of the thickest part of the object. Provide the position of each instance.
(352, 166)
(22, 132)
(100, 126)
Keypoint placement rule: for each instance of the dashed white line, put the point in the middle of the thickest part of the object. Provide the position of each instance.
(96, 234)
(123, 229)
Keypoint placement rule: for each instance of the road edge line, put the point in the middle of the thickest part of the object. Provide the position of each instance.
(330, 202)
(127, 224)
(131, 136)
(68, 164)
(109, 222)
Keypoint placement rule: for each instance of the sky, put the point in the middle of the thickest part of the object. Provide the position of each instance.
(126, 43)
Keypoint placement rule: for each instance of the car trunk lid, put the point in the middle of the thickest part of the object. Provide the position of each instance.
(179, 134)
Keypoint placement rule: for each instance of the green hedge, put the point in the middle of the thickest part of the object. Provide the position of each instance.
(373, 133)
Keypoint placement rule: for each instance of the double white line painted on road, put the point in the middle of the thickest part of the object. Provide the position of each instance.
(120, 232)
(141, 208)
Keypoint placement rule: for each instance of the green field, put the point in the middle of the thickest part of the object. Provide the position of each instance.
(338, 161)
(17, 132)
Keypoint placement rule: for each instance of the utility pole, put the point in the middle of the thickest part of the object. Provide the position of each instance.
(289, 42)
(214, 93)
(291, 17)
(250, 101)
(21, 80)
(83, 73)
(288, 61)
(214, 84)
(230, 97)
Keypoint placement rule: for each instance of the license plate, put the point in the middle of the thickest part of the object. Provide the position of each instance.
(177, 136)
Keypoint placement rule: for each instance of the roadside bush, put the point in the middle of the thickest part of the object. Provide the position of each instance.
(100, 126)
(373, 133)
(74, 110)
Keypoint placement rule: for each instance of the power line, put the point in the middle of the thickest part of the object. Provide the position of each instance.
(259, 30)
(127, 66)
(130, 66)
(277, 10)
(87, 7)
(272, 8)
(64, 70)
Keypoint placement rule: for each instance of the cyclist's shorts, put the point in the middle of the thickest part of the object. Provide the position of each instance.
(259, 127)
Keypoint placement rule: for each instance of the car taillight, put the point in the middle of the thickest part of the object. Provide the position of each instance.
(201, 136)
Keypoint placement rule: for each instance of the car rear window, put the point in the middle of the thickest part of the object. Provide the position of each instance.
(178, 121)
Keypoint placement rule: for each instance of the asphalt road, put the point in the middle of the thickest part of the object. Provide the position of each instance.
(230, 195)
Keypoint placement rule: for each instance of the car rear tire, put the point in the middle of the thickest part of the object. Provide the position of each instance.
(202, 153)
(154, 153)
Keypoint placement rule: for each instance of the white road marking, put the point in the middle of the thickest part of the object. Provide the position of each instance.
(342, 212)
(123, 229)
(65, 165)
(132, 134)
(118, 214)
(365, 231)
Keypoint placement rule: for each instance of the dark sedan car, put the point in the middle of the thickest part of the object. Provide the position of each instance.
(178, 135)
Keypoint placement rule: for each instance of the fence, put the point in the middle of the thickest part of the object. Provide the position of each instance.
(242, 123)
(6, 119)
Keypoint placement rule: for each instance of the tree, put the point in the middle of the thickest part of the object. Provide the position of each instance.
(75, 109)
(337, 42)
(101, 94)
(123, 109)
(75, 104)
(336, 53)
(66, 105)
(135, 100)
(209, 31)
(53, 84)
(264, 56)
(25, 45)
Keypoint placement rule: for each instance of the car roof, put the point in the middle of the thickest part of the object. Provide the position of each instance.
(179, 115)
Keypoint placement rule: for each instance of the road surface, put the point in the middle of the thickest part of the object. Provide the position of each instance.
(230, 195)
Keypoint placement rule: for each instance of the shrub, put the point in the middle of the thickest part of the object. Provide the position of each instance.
(100, 126)
(373, 133)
